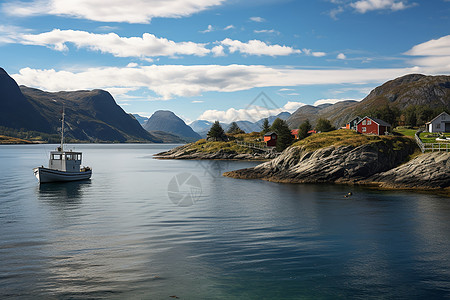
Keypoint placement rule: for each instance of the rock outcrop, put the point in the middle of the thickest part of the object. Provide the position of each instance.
(427, 171)
(186, 152)
(333, 164)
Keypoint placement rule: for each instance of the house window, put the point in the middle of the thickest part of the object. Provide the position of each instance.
(364, 122)
(364, 129)
(443, 117)
(438, 126)
(369, 122)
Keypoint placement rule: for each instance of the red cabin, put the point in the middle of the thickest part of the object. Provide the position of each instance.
(368, 125)
(294, 133)
(271, 139)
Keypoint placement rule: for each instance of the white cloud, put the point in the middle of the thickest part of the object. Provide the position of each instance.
(434, 53)
(218, 50)
(229, 27)
(209, 29)
(257, 19)
(341, 56)
(252, 114)
(285, 90)
(271, 31)
(131, 11)
(197, 101)
(364, 6)
(256, 47)
(309, 52)
(169, 81)
(331, 101)
(146, 46)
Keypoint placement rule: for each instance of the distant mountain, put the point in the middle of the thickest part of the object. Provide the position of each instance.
(140, 119)
(164, 120)
(414, 89)
(200, 125)
(90, 115)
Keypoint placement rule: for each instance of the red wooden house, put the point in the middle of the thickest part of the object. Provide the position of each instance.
(271, 139)
(370, 125)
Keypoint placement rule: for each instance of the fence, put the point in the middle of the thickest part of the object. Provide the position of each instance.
(430, 146)
(257, 146)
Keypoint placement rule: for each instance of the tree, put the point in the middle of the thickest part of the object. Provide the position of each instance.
(303, 130)
(284, 136)
(411, 116)
(324, 125)
(234, 129)
(216, 133)
(265, 126)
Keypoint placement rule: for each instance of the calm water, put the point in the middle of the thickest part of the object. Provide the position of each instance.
(131, 232)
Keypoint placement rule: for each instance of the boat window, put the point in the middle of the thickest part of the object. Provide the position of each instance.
(69, 157)
(56, 156)
(78, 156)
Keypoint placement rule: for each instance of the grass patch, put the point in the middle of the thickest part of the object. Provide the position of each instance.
(13, 140)
(345, 137)
(427, 137)
(405, 131)
(213, 147)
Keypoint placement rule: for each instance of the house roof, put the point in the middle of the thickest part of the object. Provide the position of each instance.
(355, 118)
(437, 117)
(378, 121)
(294, 131)
(269, 133)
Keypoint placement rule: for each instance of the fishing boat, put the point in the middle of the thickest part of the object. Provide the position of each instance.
(63, 165)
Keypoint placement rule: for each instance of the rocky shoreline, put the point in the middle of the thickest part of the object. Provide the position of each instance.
(373, 165)
(186, 152)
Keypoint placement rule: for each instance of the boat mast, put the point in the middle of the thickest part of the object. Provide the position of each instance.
(62, 130)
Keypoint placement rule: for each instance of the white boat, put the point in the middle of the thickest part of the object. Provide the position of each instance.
(63, 165)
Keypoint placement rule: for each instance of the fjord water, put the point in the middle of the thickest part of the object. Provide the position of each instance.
(124, 234)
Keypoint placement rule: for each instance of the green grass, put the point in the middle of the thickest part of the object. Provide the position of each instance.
(213, 147)
(344, 137)
(427, 137)
(405, 131)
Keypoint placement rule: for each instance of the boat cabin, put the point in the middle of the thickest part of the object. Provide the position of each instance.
(67, 161)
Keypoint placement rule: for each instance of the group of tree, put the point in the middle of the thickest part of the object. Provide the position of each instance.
(413, 115)
(216, 133)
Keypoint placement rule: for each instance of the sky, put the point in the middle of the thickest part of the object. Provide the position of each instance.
(223, 60)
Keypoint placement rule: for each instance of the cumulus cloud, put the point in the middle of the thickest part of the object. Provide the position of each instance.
(256, 47)
(341, 56)
(131, 11)
(169, 81)
(146, 46)
(364, 6)
(253, 113)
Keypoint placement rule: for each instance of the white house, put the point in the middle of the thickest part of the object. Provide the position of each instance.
(439, 124)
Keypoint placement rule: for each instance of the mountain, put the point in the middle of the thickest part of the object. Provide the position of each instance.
(167, 137)
(90, 115)
(200, 125)
(432, 92)
(164, 120)
(327, 111)
(15, 111)
(140, 119)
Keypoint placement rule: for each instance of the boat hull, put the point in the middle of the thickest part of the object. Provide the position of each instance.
(45, 175)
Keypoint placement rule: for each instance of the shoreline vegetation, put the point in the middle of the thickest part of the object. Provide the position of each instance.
(341, 157)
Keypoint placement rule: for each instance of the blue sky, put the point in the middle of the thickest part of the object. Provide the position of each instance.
(209, 59)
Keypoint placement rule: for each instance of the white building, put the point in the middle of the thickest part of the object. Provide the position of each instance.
(439, 124)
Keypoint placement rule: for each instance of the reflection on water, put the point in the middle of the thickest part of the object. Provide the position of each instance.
(120, 236)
